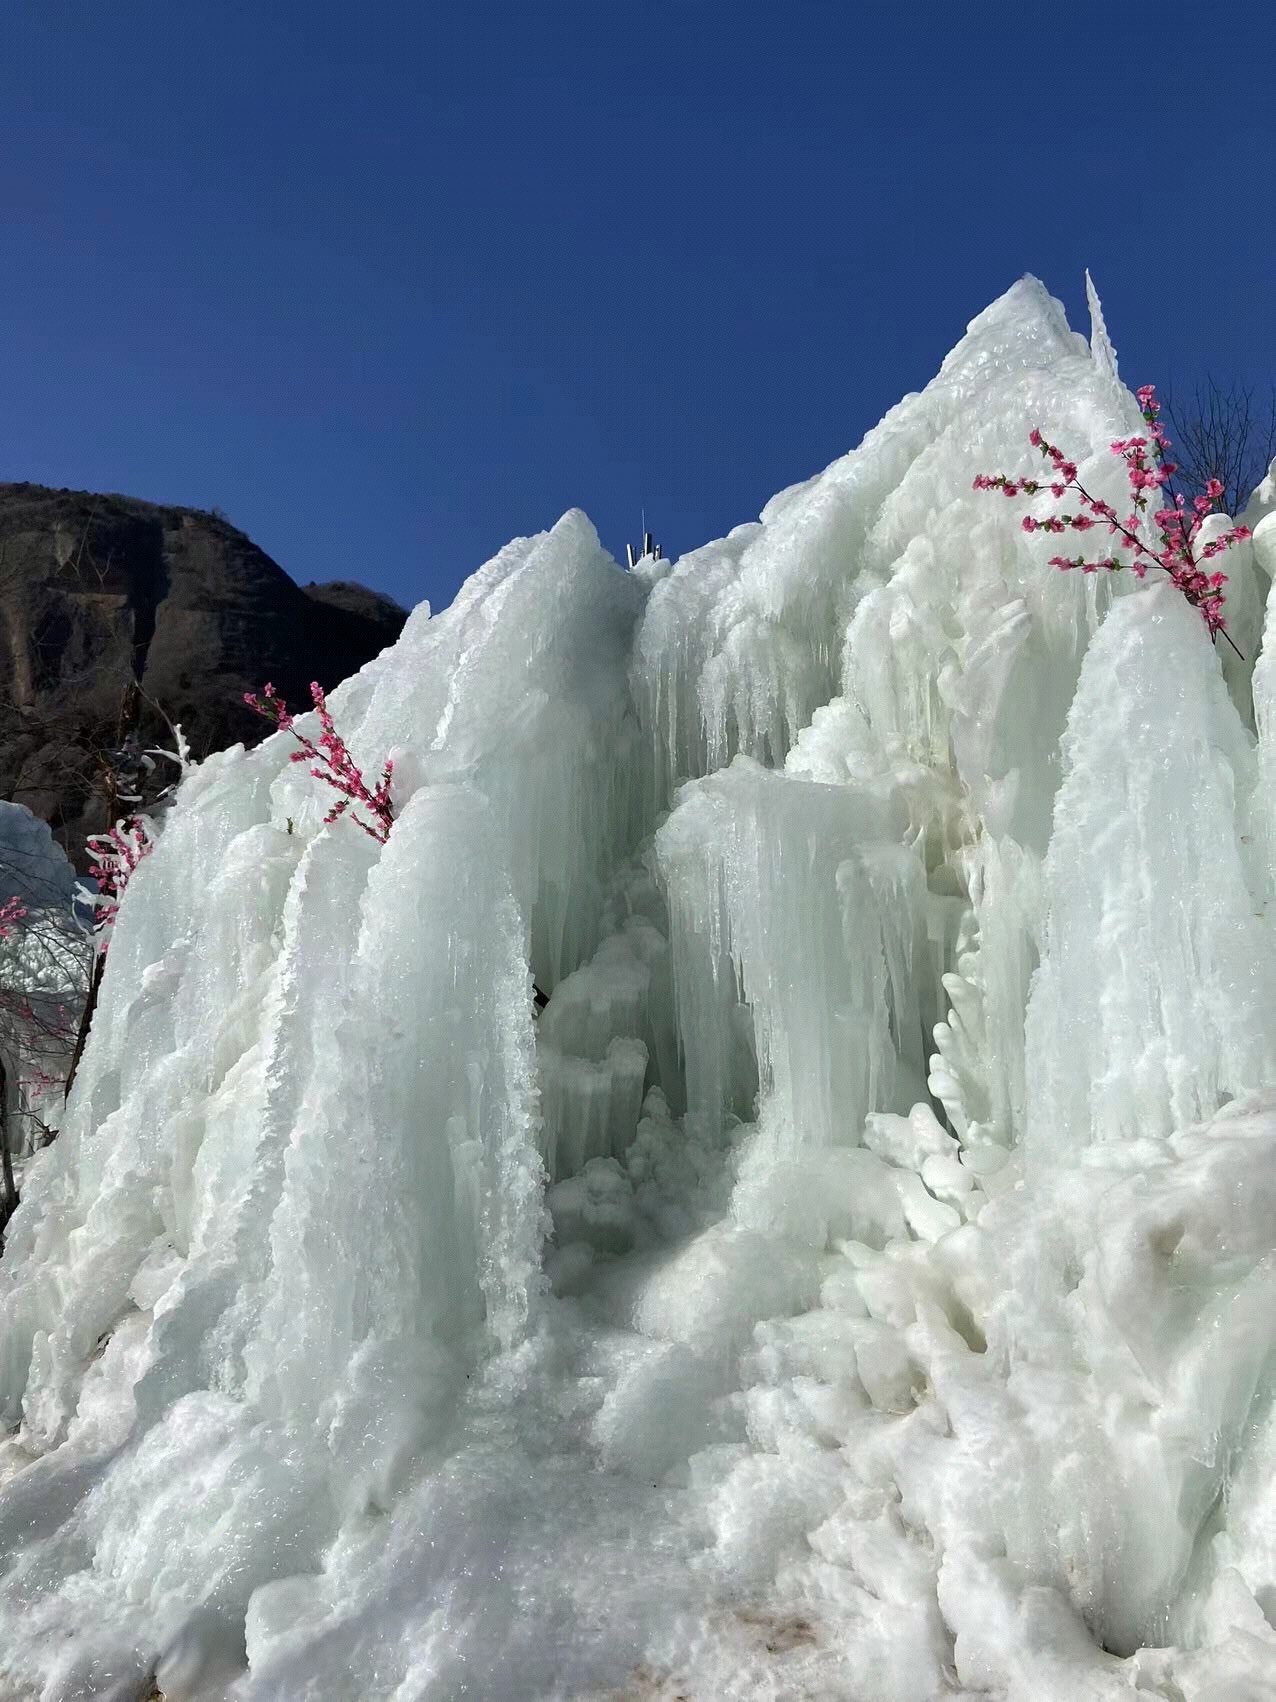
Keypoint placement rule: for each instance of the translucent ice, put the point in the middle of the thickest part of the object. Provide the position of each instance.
(851, 1277)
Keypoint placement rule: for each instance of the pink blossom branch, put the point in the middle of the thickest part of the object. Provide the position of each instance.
(116, 854)
(1148, 469)
(334, 764)
(12, 911)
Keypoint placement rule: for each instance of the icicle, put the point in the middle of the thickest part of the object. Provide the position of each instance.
(1105, 357)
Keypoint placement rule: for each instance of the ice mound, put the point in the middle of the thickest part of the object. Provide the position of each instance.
(856, 1283)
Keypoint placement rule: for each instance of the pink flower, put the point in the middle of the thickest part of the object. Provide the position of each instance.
(12, 911)
(1148, 468)
(335, 766)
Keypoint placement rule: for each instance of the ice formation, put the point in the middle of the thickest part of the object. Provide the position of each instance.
(860, 1282)
(45, 962)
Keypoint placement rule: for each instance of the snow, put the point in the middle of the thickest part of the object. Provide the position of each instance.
(45, 963)
(857, 1282)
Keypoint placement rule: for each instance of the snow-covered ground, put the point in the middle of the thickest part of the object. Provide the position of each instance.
(902, 1123)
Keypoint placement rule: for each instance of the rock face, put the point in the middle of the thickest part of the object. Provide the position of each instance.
(99, 592)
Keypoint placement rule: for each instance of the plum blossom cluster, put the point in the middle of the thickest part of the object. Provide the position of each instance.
(116, 854)
(12, 911)
(1176, 548)
(333, 763)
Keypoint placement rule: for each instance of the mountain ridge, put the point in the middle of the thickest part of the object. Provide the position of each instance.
(101, 591)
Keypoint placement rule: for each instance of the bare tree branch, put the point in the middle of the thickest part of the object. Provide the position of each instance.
(1221, 432)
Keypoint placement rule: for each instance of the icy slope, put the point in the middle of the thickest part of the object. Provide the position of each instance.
(858, 1282)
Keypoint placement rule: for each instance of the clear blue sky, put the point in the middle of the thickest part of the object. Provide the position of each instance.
(392, 281)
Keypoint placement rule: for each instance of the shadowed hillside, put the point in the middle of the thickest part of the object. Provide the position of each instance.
(97, 592)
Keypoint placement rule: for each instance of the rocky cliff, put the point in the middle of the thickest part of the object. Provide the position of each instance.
(98, 592)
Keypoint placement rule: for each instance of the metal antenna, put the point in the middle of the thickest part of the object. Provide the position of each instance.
(649, 546)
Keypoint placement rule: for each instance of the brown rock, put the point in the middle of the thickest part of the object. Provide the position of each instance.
(100, 591)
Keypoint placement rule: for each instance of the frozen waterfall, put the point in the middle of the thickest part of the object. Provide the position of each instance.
(859, 1282)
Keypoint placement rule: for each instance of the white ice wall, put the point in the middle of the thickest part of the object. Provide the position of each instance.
(905, 1093)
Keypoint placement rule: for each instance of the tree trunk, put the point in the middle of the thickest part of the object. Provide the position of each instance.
(86, 1021)
(9, 1198)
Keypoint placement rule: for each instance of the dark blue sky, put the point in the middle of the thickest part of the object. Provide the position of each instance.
(391, 282)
